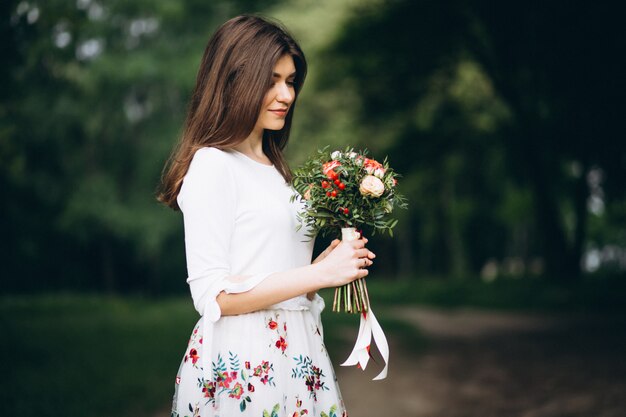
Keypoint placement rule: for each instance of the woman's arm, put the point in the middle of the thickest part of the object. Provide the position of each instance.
(342, 263)
(310, 295)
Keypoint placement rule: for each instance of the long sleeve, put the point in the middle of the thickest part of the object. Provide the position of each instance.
(208, 200)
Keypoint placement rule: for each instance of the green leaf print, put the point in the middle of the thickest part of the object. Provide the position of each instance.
(331, 413)
(219, 367)
(274, 411)
(234, 361)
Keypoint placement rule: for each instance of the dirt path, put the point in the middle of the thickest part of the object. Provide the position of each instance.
(482, 364)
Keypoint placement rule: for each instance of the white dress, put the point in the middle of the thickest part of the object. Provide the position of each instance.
(238, 220)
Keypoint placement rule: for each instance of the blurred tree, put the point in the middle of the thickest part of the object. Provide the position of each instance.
(504, 123)
(93, 98)
(479, 102)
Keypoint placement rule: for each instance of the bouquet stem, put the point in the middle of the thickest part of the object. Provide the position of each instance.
(353, 297)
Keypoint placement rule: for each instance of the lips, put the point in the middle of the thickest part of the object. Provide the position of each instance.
(279, 112)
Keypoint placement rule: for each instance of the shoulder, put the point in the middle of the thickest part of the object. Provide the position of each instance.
(208, 155)
(208, 171)
(211, 161)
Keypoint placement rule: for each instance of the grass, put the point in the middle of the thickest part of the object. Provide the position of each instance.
(590, 294)
(90, 355)
(93, 355)
(77, 355)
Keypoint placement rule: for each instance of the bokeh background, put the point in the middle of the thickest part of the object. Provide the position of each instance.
(502, 291)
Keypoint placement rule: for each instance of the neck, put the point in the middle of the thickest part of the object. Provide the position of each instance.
(253, 144)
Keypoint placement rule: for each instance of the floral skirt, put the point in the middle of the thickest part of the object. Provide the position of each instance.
(269, 363)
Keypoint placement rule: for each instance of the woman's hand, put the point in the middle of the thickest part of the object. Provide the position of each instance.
(326, 251)
(344, 261)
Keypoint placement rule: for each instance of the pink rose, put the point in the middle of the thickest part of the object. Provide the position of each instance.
(370, 185)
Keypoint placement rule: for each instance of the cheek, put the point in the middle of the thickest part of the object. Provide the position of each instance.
(269, 97)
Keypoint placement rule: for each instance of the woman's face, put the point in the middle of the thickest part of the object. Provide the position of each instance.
(279, 97)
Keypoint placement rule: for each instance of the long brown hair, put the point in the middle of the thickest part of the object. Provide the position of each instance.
(234, 76)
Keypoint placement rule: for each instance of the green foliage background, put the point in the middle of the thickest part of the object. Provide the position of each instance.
(505, 124)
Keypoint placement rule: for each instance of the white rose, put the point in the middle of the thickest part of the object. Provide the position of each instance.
(335, 155)
(370, 185)
(352, 155)
(379, 172)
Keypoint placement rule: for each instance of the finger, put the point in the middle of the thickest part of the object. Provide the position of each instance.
(371, 255)
(332, 245)
(358, 244)
(362, 273)
(361, 253)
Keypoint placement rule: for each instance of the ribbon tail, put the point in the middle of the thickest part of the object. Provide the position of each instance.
(381, 343)
(360, 352)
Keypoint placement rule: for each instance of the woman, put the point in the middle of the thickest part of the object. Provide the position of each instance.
(257, 350)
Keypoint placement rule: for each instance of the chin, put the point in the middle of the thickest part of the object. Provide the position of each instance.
(275, 126)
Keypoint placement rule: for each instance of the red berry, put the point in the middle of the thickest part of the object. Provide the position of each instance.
(328, 193)
(325, 184)
(346, 211)
(333, 193)
(342, 186)
(337, 181)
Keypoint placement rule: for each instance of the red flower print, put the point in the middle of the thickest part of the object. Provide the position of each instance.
(209, 389)
(281, 344)
(223, 380)
(285, 326)
(304, 412)
(296, 414)
(309, 382)
(258, 371)
(200, 341)
(247, 364)
(237, 391)
(193, 354)
(266, 366)
(186, 358)
(265, 379)
(272, 325)
(250, 387)
(298, 403)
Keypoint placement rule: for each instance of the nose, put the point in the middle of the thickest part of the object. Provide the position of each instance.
(284, 94)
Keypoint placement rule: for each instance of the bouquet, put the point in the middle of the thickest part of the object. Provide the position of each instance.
(344, 191)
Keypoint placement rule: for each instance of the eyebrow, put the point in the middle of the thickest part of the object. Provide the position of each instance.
(275, 74)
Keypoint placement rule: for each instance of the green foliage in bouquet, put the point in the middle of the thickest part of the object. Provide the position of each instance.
(346, 189)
